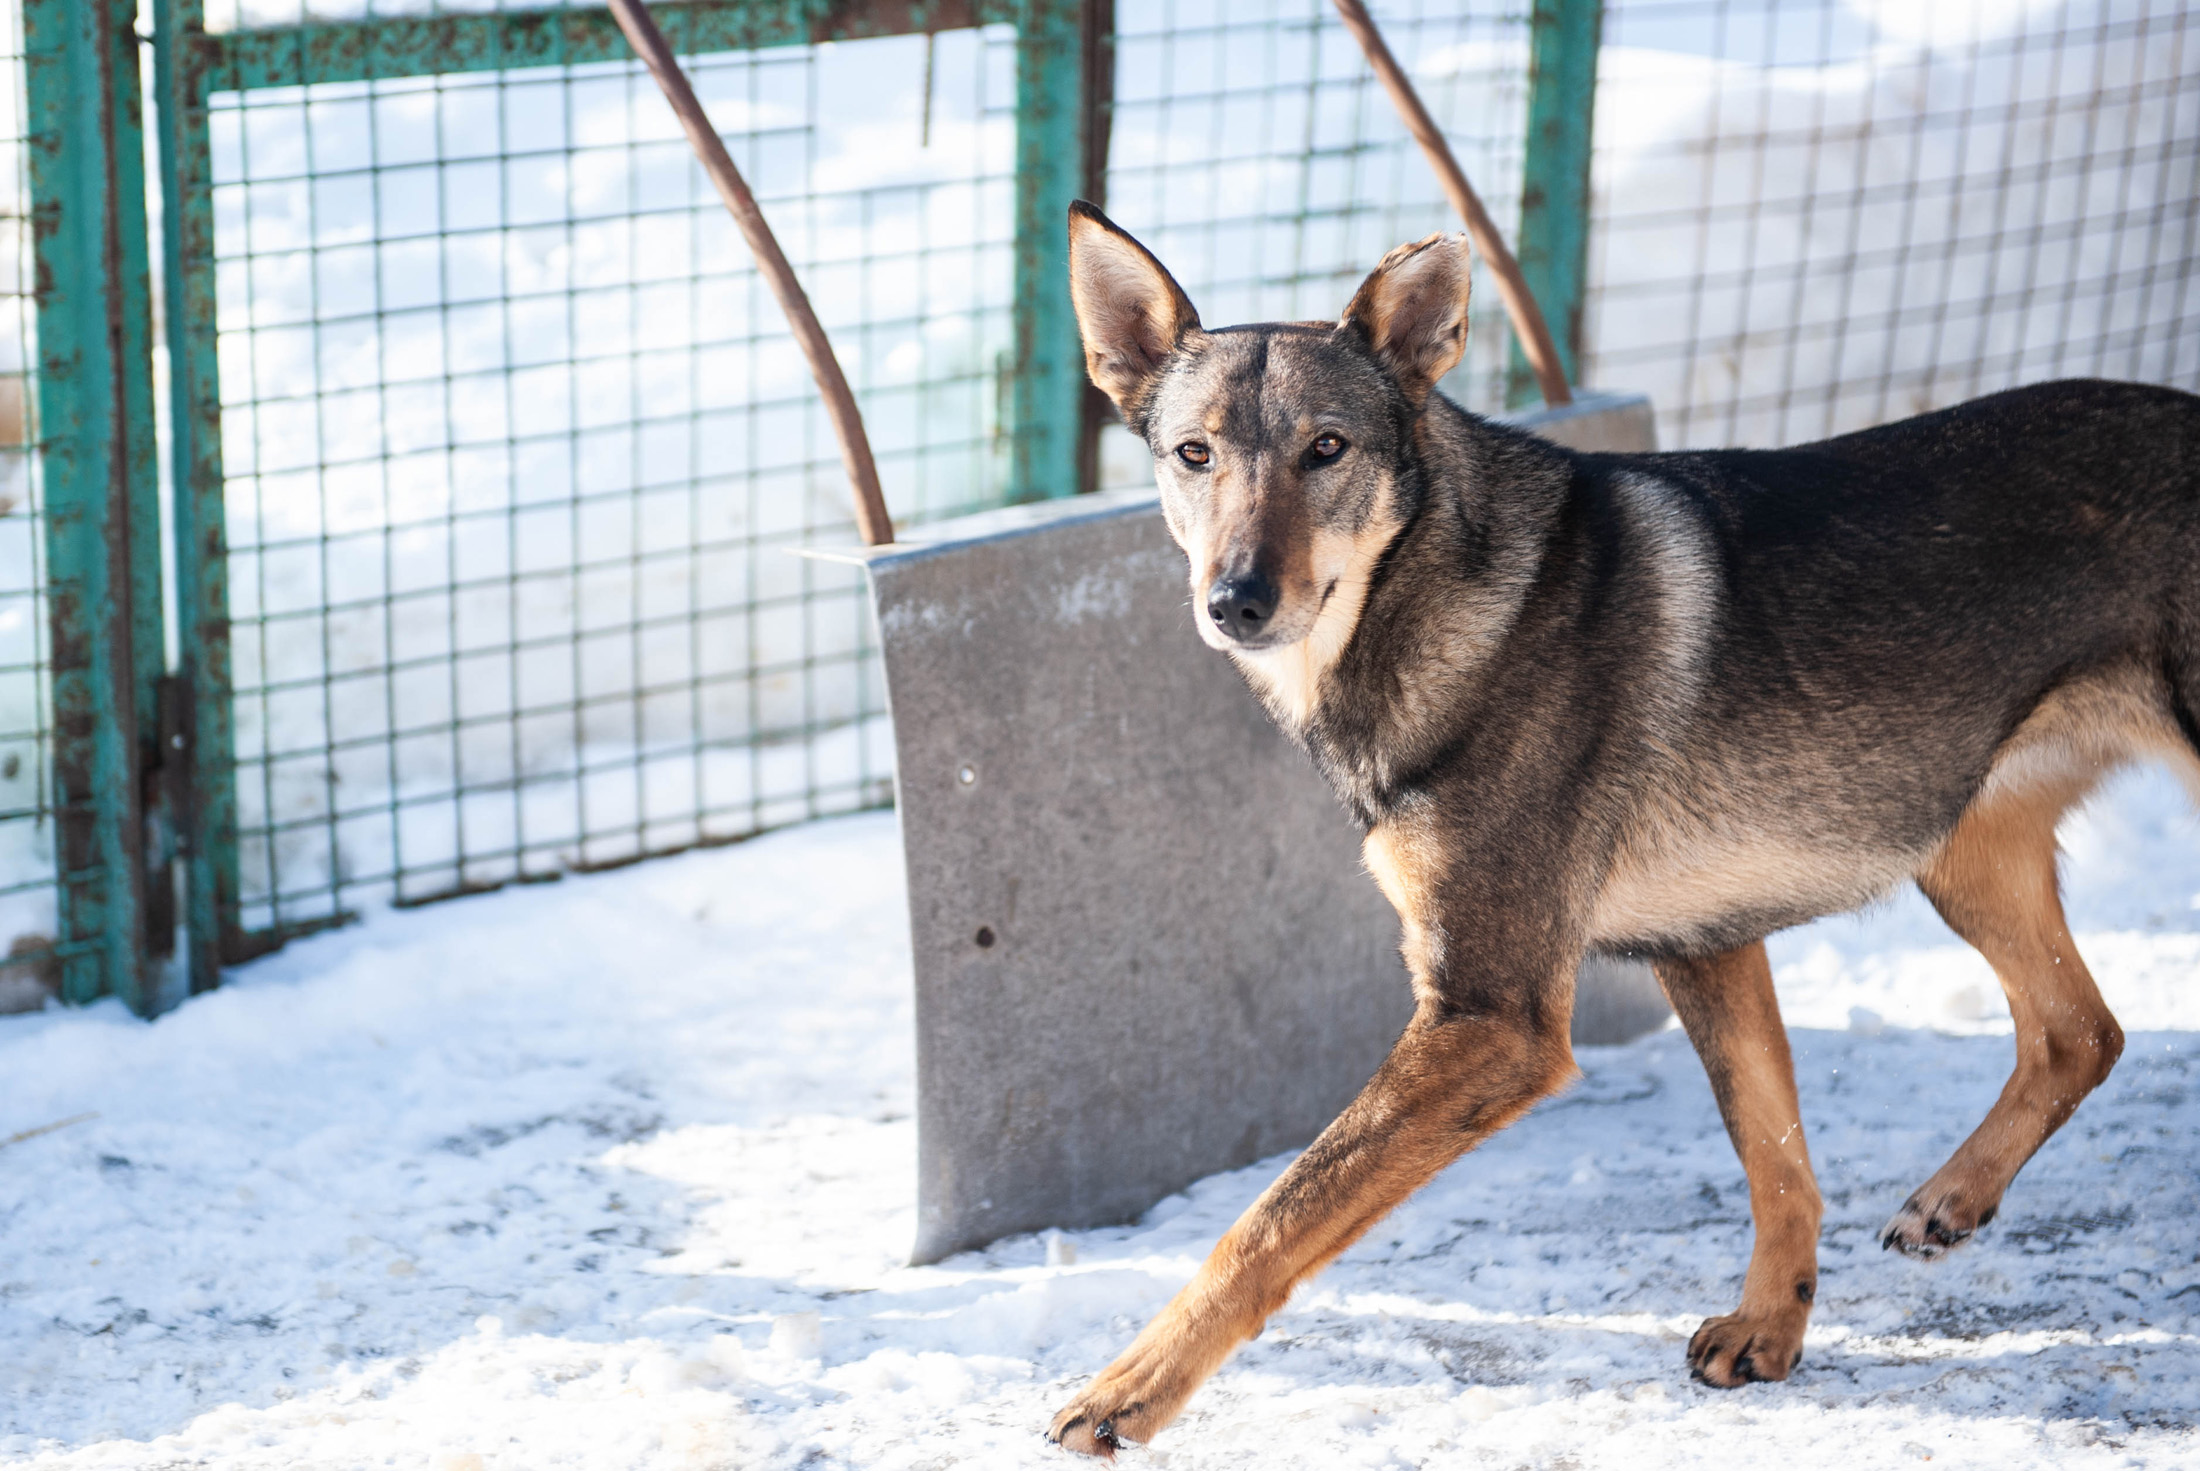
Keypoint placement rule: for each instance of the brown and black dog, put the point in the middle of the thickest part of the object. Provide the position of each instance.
(1653, 705)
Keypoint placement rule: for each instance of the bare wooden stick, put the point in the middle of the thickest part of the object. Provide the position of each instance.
(876, 526)
(1527, 318)
(45, 1129)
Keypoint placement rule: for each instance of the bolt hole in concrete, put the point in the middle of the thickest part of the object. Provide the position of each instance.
(985, 937)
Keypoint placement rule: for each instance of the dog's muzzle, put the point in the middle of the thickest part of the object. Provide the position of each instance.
(1242, 607)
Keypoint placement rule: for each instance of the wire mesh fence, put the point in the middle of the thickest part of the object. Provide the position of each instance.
(518, 447)
(1815, 217)
(493, 454)
(28, 916)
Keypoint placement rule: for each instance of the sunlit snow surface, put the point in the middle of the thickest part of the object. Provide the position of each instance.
(556, 1178)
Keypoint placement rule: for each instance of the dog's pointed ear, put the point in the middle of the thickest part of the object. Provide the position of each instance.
(1130, 311)
(1413, 311)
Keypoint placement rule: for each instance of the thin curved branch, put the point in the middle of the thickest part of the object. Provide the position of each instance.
(648, 42)
(1527, 318)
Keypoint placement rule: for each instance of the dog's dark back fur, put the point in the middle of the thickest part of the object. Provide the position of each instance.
(1890, 607)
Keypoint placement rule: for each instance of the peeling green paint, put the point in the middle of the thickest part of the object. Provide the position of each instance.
(205, 794)
(1046, 388)
(441, 45)
(97, 450)
(1554, 187)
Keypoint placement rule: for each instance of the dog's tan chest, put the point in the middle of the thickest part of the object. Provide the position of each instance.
(1407, 865)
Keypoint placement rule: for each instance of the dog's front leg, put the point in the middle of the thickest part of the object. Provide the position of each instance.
(1727, 1005)
(1451, 1081)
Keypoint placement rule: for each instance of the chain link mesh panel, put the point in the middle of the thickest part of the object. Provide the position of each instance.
(519, 449)
(1813, 217)
(28, 909)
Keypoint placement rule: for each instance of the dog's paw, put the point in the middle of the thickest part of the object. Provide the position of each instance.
(1131, 1399)
(1100, 1420)
(1735, 1350)
(1140, 1393)
(1136, 1397)
(1087, 1429)
(1933, 1222)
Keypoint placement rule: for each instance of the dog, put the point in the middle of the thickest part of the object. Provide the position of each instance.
(1654, 705)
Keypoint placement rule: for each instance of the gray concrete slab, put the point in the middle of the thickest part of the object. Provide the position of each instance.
(1145, 947)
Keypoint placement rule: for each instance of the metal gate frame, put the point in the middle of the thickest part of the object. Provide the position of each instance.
(116, 914)
(144, 758)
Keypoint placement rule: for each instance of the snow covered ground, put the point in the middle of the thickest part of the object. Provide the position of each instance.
(617, 1172)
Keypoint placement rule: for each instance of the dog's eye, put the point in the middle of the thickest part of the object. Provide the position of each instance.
(1328, 447)
(1192, 454)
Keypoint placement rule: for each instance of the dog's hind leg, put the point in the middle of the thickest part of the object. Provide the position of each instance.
(1450, 1082)
(1994, 882)
(1726, 1004)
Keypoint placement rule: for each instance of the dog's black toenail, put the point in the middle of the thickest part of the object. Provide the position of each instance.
(1104, 1432)
(1986, 1216)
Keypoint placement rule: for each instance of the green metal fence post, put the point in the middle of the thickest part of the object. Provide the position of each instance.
(1554, 187)
(97, 447)
(132, 282)
(1046, 366)
(205, 791)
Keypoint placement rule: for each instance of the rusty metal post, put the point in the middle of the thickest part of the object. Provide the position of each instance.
(1554, 182)
(102, 511)
(203, 745)
(1099, 107)
(1046, 387)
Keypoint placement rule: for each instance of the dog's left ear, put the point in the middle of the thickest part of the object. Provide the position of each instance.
(1413, 310)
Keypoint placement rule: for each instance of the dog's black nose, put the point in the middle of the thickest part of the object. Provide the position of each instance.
(1242, 606)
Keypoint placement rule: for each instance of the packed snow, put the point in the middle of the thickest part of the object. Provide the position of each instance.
(619, 1172)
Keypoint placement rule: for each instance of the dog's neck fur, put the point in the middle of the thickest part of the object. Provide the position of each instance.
(1389, 676)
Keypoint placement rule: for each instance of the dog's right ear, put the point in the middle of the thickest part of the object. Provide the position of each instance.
(1130, 311)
